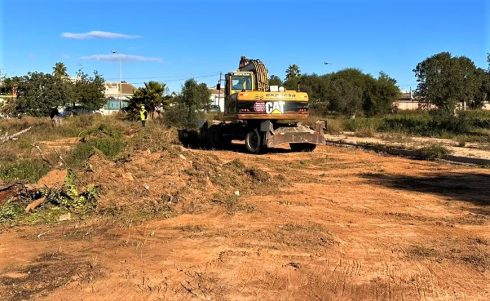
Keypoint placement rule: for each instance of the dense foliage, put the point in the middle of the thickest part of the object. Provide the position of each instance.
(38, 93)
(446, 80)
(189, 105)
(348, 91)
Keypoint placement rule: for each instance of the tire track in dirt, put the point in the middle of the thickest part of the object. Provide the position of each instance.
(330, 234)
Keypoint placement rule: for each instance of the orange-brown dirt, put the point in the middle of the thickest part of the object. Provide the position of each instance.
(339, 224)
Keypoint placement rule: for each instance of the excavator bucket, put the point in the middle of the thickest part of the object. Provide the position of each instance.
(297, 134)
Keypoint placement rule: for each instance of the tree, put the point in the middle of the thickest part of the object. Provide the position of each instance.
(445, 80)
(483, 93)
(488, 62)
(381, 94)
(344, 97)
(89, 91)
(274, 80)
(37, 94)
(152, 95)
(190, 104)
(292, 72)
(59, 70)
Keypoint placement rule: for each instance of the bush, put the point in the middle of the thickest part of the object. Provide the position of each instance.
(433, 151)
(178, 116)
(24, 170)
(405, 123)
(110, 147)
(363, 124)
(103, 137)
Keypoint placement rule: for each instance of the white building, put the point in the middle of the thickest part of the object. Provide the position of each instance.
(217, 99)
(117, 95)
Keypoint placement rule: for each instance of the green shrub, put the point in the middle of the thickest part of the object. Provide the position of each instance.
(10, 212)
(30, 170)
(363, 125)
(405, 123)
(109, 146)
(433, 151)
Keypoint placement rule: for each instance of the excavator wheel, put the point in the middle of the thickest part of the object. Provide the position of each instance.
(302, 147)
(253, 141)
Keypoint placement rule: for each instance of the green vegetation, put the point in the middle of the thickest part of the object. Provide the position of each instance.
(152, 96)
(473, 125)
(433, 151)
(30, 170)
(38, 93)
(58, 201)
(349, 92)
(445, 81)
(31, 156)
(189, 105)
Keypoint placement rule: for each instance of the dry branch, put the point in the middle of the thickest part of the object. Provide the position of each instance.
(7, 138)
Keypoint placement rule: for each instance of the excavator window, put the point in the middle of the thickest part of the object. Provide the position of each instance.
(241, 83)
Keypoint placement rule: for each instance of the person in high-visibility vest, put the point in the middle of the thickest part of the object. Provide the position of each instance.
(143, 115)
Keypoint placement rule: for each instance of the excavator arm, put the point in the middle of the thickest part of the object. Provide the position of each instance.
(258, 68)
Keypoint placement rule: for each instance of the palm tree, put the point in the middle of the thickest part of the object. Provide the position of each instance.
(59, 70)
(292, 72)
(152, 95)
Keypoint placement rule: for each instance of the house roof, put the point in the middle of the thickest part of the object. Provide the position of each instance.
(405, 96)
(126, 88)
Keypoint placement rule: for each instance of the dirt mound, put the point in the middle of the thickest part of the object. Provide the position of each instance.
(54, 178)
(171, 177)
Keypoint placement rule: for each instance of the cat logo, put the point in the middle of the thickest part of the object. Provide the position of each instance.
(276, 107)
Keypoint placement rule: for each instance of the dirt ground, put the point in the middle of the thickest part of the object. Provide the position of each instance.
(345, 224)
(470, 149)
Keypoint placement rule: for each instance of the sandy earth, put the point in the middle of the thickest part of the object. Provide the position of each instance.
(346, 225)
(470, 149)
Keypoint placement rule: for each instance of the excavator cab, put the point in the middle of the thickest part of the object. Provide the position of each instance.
(235, 83)
(241, 83)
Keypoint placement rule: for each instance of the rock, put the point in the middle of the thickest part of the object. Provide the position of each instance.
(182, 157)
(65, 217)
(237, 193)
(146, 187)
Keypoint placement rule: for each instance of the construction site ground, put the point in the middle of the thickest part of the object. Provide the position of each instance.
(477, 150)
(335, 224)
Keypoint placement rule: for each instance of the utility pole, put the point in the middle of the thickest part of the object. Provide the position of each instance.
(119, 89)
(218, 86)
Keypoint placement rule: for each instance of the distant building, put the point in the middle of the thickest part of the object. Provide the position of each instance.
(217, 99)
(407, 102)
(117, 95)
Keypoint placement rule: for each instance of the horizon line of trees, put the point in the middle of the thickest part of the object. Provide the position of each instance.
(348, 91)
(443, 80)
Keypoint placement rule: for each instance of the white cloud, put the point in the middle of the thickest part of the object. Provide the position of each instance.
(116, 57)
(97, 35)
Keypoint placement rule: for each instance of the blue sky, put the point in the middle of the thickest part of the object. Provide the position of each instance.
(171, 41)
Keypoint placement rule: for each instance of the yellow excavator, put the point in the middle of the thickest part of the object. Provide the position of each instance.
(263, 116)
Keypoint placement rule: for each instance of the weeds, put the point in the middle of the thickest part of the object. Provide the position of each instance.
(24, 170)
(433, 151)
(473, 124)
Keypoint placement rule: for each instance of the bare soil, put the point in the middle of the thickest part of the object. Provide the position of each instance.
(335, 224)
(470, 149)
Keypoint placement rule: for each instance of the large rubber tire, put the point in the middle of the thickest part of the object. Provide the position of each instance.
(253, 142)
(302, 147)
